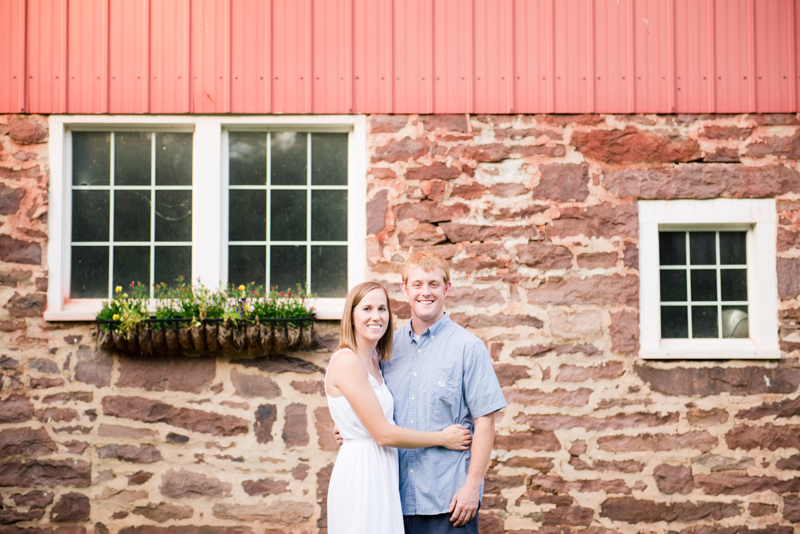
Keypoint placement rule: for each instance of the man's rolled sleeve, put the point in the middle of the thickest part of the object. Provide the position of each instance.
(482, 391)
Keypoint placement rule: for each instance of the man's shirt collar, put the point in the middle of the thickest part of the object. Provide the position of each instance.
(434, 330)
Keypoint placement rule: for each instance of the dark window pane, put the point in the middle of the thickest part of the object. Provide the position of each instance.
(702, 248)
(674, 322)
(248, 158)
(329, 215)
(173, 215)
(329, 159)
(734, 284)
(172, 262)
(672, 248)
(174, 159)
(89, 273)
(288, 216)
(673, 286)
(91, 158)
(734, 322)
(247, 215)
(704, 322)
(733, 248)
(247, 264)
(90, 215)
(131, 264)
(329, 271)
(287, 267)
(704, 285)
(132, 158)
(288, 151)
(131, 215)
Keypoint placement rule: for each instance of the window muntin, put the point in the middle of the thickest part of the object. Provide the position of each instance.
(131, 194)
(703, 283)
(288, 210)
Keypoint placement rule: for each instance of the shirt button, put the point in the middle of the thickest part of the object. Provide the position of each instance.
(412, 398)
(415, 374)
(412, 422)
(419, 350)
(411, 471)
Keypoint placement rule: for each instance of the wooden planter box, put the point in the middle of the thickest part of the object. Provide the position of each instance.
(169, 336)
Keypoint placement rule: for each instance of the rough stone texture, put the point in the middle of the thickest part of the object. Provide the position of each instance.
(182, 484)
(71, 507)
(538, 218)
(166, 374)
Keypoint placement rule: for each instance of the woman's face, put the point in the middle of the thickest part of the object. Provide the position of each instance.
(371, 317)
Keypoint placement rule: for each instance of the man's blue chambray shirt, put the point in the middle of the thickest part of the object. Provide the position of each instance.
(444, 378)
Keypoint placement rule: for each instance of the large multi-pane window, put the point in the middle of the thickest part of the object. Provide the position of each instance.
(288, 210)
(131, 210)
(272, 200)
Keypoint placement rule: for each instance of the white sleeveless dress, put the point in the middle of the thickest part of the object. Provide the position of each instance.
(364, 492)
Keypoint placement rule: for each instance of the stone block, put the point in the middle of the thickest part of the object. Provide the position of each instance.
(324, 425)
(632, 510)
(172, 373)
(45, 473)
(152, 411)
(10, 199)
(17, 251)
(71, 507)
(144, 454)
(265, 416)
(604, 220)
(15, 409)
(674, 478)
(94, 367)
(404, 149)
(532, 440)
(31, 305)
(163, 512)
(562, 183)
(769, 436)
(753, 380)
(295, 427)
(583, 325)
(634, 146)
(183, 484)
(264, 486)
(701, 440)
(252, 386)
(276, 512)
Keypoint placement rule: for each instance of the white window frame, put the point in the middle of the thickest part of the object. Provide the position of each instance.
(759, 218)
(209, 196)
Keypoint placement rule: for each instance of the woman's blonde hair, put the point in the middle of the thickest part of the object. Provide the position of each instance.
(347, 330)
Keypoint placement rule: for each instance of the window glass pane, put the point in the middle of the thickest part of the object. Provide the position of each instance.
(247, 215)
(734, 322)
(733, 248)
(704, 285)
(173, 159)
(90, 215)
(172, 262)
(248, 158)
(131, 215)
(91, 158)
(132, 158)
(288, 216)
(733, 283)
(287, 267)
(329, 159)
(702, 248)
(704, 322)
(131, 264)
(329, 271)
(672, 248)
(89, 273)
(174, 215)
(288, 152)
(674, 322)
(673, 286)
(247, 264)
(329, 215)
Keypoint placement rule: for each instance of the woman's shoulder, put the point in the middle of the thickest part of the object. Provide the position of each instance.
(343, 357)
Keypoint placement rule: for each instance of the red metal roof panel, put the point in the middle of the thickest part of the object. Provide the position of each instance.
(12, 55)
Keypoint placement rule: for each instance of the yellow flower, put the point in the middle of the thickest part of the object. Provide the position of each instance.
(241, 288)
(115, 317)
(144, 310)
(118, 289)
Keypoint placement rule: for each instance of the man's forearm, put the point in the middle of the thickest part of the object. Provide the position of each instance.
(482, 441)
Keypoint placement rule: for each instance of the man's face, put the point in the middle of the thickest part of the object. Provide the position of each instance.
(426, 292)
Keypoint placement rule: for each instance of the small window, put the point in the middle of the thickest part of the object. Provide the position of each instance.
(131, 210)
(703, 282)
(708, 281)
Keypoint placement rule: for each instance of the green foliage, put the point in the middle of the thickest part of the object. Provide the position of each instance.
(247, 303)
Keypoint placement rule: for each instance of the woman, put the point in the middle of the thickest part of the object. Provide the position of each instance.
(363, 495)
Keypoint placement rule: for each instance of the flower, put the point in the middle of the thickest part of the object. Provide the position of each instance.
(118, 289)
(144, 310)
(115, 317)
(132, 284)
(241, 288)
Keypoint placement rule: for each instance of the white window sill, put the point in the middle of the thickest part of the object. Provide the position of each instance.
(86, 310)
(709, 349)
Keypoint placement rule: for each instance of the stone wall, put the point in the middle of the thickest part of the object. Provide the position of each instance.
(538, 217)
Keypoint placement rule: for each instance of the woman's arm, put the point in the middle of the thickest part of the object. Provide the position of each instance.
(348, 374)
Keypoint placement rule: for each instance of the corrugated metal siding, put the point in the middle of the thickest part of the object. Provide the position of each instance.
(399, 56)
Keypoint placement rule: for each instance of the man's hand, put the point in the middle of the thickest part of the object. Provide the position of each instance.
(338, 437)
(464, 505)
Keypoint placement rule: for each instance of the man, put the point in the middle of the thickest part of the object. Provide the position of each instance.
(440, 374)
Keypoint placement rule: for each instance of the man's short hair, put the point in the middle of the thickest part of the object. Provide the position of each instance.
(427, 261)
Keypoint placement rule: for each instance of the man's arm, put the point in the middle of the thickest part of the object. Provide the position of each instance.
(465, 502)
